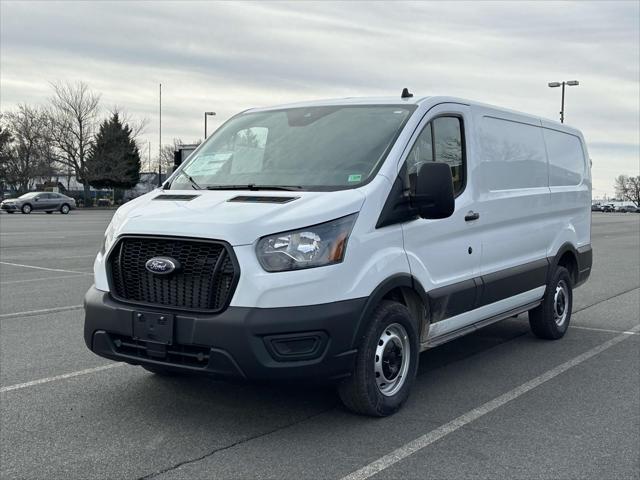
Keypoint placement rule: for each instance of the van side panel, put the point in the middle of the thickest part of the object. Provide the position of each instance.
(570, 187)
(513, 192)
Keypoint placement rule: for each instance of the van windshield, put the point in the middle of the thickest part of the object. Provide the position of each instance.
(310, 148)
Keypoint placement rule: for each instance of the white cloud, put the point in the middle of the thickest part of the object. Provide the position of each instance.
(231, 56)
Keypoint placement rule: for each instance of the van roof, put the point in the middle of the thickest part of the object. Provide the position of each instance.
(397, 100)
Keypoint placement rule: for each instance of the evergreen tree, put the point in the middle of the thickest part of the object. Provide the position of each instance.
(114, 161)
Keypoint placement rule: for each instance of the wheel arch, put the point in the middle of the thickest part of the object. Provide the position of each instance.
(567, 257)
(402, 288)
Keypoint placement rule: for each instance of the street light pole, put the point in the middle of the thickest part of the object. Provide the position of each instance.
(160, 138)
(571, 83)
(206, 114)
(562, 104)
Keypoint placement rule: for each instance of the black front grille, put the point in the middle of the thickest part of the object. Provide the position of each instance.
(205, 279)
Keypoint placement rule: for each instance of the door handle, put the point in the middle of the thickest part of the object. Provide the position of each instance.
(471, 215)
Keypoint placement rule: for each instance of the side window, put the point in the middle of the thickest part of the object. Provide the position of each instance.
(439, 141)
(421, 152)
(566, 160)
(447, 135)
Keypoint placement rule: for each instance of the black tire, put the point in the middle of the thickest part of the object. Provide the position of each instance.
(159, 370)
(361, 392)
(26, 209)
(49, 211)
(64, 209)
(550, 320)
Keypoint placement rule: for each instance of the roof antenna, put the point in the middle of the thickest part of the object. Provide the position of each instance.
(406, 93)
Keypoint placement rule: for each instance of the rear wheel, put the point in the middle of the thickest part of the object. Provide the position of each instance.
(64, 209)
(550, 320)
(386, 363)
(26, 209)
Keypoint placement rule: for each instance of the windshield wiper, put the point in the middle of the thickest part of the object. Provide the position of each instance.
(193, 183)
(253, 186)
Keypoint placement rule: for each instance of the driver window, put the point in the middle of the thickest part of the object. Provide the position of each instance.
(421, 152)
(439, 141)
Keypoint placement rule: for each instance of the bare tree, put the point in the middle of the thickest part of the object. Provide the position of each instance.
(73, 121)
(25, 154)
(628, 188)
(5, 156)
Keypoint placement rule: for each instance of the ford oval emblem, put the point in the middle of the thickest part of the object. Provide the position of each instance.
(161, 265)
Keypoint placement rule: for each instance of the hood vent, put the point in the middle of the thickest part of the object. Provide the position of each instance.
(261, 199)
(175, 197)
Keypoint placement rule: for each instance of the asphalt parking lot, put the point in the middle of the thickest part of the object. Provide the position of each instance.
(496, 404)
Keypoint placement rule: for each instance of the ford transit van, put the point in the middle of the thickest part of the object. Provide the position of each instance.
(336, 240)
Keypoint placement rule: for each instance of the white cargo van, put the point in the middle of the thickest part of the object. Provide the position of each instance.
(336, 240)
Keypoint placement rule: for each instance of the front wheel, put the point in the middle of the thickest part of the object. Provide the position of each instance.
(26, 209)
(64, 209)
(550, 320)
(386, 363)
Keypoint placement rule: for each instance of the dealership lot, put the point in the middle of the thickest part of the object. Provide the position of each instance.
(566, 409)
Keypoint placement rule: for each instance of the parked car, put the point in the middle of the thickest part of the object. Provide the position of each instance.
(628, 209)
(608, 208)
(341, 238)
(596, 207)
(44, 201)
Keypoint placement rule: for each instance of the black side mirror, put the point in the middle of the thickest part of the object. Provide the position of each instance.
(434, 191)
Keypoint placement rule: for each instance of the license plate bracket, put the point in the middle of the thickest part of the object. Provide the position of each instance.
(153, 327)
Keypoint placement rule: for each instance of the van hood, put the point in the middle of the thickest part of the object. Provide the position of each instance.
(239, 217)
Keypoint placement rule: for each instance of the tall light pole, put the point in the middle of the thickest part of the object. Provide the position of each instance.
(206, 114)
(571, 83)
(160, 138)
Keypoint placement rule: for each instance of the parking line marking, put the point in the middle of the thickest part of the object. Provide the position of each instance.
(92, 255)
(44, 268)
(30, 313)
(433, 436)
(79, 232)
(32, 383)
(40, 279)
(594, 329)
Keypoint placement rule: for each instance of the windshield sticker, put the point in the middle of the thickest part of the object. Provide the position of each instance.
(354, 178)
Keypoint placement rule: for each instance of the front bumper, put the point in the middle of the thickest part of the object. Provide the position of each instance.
(10, 207)
(239, 342)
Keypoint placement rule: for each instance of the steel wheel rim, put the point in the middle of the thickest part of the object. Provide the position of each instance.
(560, 303)
(27, 208)
(392, 358)
(65, 209)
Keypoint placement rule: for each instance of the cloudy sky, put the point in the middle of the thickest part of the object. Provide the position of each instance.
(228, 57)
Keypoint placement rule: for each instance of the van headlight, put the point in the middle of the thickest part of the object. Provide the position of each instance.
(308, 247)
(109, 237)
